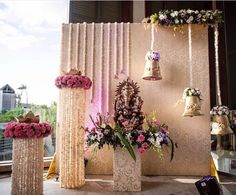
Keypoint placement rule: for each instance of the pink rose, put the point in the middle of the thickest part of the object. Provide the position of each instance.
(36, 126)
(145, 145)
(87, 83)
(30, 133)
(141, 138)
(11, 133)
(125, 123)
(6, 133)
(70, 83)
(141, 150)
(37, 133)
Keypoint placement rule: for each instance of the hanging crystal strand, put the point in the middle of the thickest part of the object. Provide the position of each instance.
(108, 66)
(122, 48)
(216, 42)
(115, 51)
(77, 46)
(128, 50)
(190, 54)
(84, 49)
(152, 37)
(62, 48)
(92, 62)
(69, 65)
(101, 68)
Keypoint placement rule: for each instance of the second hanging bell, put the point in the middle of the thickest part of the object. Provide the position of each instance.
(152, 68)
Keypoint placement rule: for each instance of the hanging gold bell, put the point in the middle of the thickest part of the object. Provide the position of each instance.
(220, 125)
(152, 70)
(192, 106)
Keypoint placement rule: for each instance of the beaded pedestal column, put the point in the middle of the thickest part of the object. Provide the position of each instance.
(126, 171)
(72, 137)
(27, 166)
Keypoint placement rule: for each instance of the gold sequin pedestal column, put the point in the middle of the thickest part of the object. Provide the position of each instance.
(27, 166)
(71, 121)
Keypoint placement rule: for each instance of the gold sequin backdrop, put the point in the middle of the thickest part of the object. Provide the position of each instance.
(107, 53)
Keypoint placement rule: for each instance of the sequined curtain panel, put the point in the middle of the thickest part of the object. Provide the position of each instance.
(126, 171)
(72, 138)
(27, 167)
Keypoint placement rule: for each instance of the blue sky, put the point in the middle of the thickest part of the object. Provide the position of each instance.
(30, 46)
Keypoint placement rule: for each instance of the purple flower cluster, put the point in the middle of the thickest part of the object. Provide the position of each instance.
(152, 55)
(27, 130)
(73, 81)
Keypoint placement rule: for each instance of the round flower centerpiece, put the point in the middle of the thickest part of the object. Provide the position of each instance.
(152, 68)
(28, 150)
(219, 120)
(71, 113)
(192, 98)
(73, 79)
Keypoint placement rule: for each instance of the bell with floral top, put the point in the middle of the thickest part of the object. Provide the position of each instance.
(191, 97)
(219, 120)
(152, 68)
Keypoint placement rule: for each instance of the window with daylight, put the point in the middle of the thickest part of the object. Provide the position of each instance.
(29, 58)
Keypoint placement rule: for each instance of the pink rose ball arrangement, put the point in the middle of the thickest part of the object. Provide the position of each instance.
(73, 81)
(27, 130)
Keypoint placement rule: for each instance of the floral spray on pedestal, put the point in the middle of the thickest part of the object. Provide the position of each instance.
(126, 133)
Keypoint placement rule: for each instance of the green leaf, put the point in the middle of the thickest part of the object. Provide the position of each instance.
(172, 149)
(126, 144)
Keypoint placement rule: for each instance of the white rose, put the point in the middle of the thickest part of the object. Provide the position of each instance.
(192, 90)
(220, 113)
(189, 11)
(161, 17)
(172, 14)
(176, 21)
(176, 13)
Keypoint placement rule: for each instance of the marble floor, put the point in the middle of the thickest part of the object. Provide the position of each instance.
(102, 185)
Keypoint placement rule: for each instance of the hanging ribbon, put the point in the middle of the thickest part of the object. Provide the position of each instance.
(92, 61)
(77, 46)
(108, 67)
(121, 48)
(115, 51)
(216, 42)
(152, 37)
(84, 49)
(128, 49)
(190, 54)
(69, 65)
(101, 68)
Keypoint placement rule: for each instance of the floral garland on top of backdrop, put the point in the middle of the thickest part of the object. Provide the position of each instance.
(27, 127)
(183, 16)
(73, 79)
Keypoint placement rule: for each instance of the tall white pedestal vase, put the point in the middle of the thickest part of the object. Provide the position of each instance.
(126, 171)
(72, 87)
(27, 166)
(72, 137)
(28, 150)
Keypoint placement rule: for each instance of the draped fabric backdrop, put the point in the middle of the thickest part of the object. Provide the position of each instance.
(108, 53)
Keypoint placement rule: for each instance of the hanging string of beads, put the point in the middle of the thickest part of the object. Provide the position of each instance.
(92, 61)
(108, 67)
(128, 49)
